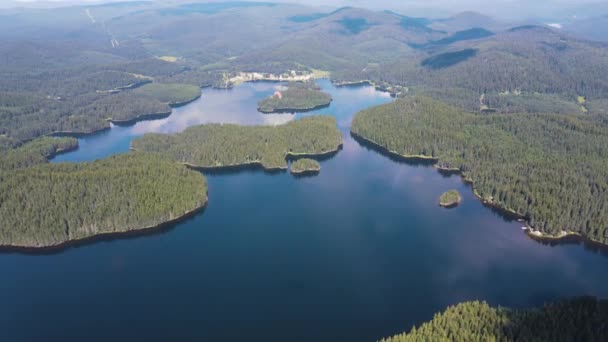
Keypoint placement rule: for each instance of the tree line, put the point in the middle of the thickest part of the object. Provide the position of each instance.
(25, 115)
(551, 169)
(222, 145)
(578, 319)
(35, 152)
(49, 204)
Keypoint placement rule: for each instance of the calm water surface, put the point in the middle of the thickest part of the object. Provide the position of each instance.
(356, 253)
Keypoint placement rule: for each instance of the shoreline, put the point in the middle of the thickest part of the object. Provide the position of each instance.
(140, 118)
(305, 172)
(256, 164)
(294, 110)
(77, 134)
(60, 151)
(377, 87)
(564, 237)
(125, 122)
(127, 87)
(450, 205)
(260, 165)
(153, 116)
(245, 77)
(408, 157)
(173, 105)
(105, 236)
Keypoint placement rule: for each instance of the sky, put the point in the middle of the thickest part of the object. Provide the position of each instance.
(499, 8)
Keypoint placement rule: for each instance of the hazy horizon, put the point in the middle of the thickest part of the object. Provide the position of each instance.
(506, 9)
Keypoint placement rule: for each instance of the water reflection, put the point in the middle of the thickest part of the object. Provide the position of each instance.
(234, 106)
(358, 252)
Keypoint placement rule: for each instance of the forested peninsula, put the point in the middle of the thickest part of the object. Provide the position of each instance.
(79, 108)
(579, 319)
(213, 146)
(298, 97)
(550, 169)
(50, 205)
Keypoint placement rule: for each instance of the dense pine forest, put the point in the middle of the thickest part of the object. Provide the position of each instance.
(549, 168)
(35, 152)
(579, 319)
(76, 75)
(225, 145)
(28, 115)
(299, 96)
(520, 111)
(49, 204)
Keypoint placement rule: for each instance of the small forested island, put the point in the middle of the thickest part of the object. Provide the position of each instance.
(299, 97)
(49, 205)
(212, 146)
(450, 199)
(579, 319)
(305, 166)
(549, 169)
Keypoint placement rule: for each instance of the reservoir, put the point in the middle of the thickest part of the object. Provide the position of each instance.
(356, 253)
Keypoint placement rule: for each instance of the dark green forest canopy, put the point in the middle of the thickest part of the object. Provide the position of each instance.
(35, 152)
(299, 96)
(171, 94)
(551, 169)
(66, 76)
(223, 145)
(50, 204)
(28, 115)
(529, 61)
(579, 319)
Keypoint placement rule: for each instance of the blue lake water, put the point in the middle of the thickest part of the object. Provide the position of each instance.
(359, 252)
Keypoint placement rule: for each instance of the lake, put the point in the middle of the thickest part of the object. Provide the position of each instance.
(359, 252)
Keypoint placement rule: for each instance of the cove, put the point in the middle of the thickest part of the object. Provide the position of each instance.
(358, 252)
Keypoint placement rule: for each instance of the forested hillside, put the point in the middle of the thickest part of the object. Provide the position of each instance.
(224, 145)
(579, 319)
(51, 204)
(549, 168)
(529, 61)
(76, 74)
(35, 152)
(128, 62)
(26, 115)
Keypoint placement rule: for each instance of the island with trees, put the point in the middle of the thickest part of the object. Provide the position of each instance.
(52, 205)
(548, 169)
(220, 146)
(578, 319)
(450, 199)
(305, 166)
(298, 97)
